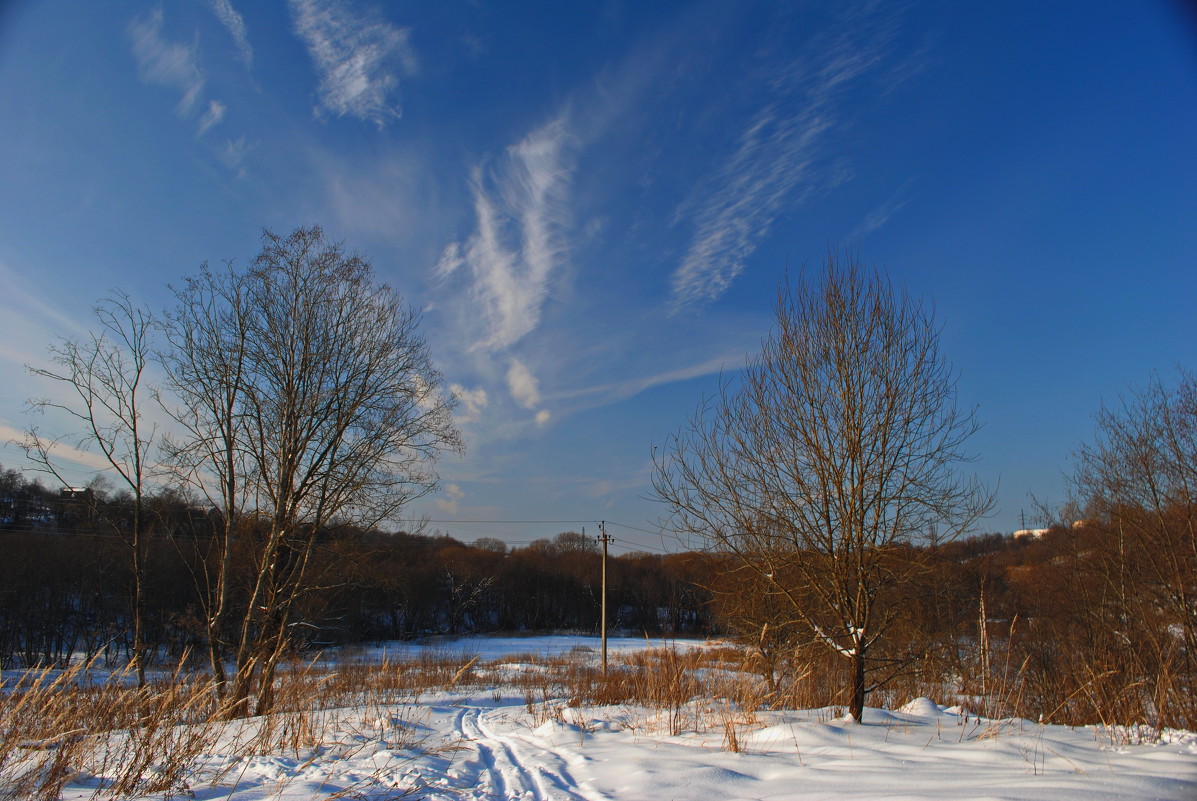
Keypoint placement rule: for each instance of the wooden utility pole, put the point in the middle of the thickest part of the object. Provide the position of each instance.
(604, 539)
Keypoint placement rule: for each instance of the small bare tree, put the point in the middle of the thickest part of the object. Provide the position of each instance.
(104, 378)
(835, 450)
(309, 400)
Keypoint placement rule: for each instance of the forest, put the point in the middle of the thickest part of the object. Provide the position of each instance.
(66, 582)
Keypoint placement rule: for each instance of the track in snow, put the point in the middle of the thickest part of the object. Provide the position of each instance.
(511, 774)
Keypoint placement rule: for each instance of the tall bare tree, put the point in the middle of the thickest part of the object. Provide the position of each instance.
(836, 448)
(105, 393)
(313, 402)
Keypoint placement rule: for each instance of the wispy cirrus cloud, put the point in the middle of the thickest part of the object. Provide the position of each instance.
(622, 390)
(234, 23)
(359, 58)
(882, 214)
(59, 450)
(522, 215)
(234, 152)
(174, 65)
(171, 64)
(775, 163)
(394, 195)
(27, 306)
(211, 117)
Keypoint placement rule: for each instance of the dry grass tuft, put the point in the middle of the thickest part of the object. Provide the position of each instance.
(99, 730)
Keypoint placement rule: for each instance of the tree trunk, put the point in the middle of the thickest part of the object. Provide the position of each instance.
(271, 646)
(237, 701)
(856, 705)
(216, 660)
(218, 609)
(138, 591)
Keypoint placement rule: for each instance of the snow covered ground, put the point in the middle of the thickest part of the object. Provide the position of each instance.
(488, 649)
(499, 744)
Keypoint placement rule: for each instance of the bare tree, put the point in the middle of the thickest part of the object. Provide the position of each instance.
(1137, 482)
(837, 448)
(104, 378)
(204, 366)
(312, 403)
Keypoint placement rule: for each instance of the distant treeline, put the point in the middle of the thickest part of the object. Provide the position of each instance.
(65, 581)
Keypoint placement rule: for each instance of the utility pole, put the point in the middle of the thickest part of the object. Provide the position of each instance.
(604, 539)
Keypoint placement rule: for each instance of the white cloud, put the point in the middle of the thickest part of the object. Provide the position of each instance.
(542, 417)
(522, 214)
(358, 56)
(233, 154)
(773, 168)
(524, 387)
(166, 64)
(473, 401)
(452, 495)
(211, 117)
(173, 65)
(235, 24)
(170, 64)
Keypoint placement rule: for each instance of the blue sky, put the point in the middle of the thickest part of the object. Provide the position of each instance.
(595, 202)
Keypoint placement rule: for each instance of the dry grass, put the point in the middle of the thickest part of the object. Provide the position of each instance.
(97, 729)
(62, 726)
(660, 689)
(93, 729)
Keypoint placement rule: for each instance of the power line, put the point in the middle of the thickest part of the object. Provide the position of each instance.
(635, 546)
(529, 522)
(632, 546)
(633, 528)
(454, 522)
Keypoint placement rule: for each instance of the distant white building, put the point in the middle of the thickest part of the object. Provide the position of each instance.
(1029, 533)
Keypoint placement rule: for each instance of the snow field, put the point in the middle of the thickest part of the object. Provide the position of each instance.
(494, 749)
(498, 733)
